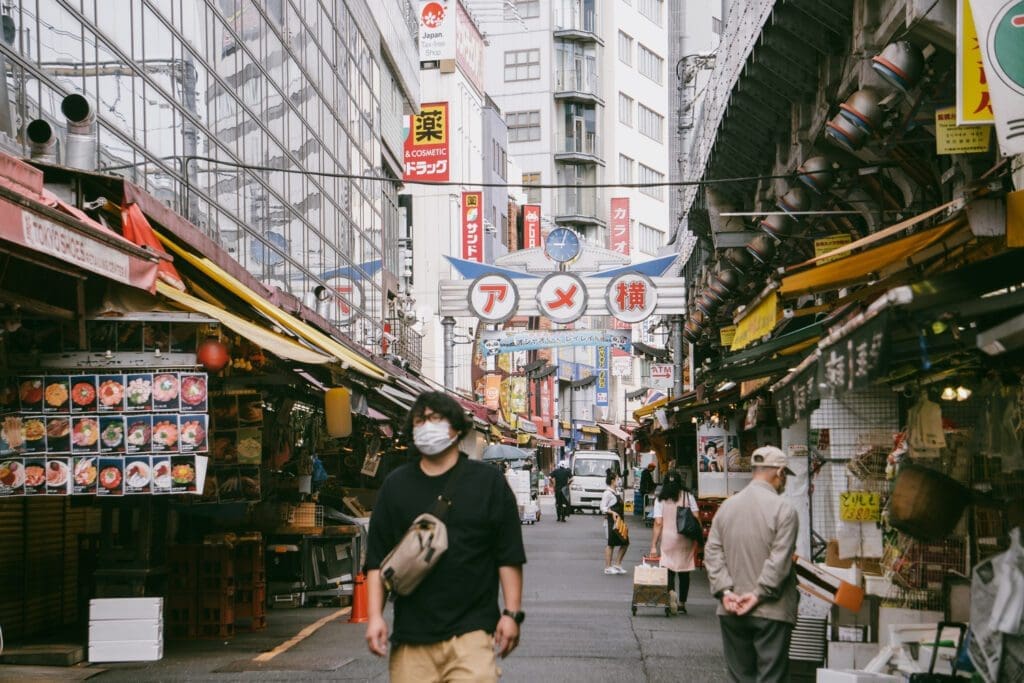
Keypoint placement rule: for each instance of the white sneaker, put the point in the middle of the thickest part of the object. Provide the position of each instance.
(610, 570)
(618, 569)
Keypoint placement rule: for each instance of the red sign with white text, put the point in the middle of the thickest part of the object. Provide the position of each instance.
(472, 226)
(619, 236)
(531, 226)
(426, 148)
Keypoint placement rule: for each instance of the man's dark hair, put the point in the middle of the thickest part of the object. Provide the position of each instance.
(671, 486)
(442, 404)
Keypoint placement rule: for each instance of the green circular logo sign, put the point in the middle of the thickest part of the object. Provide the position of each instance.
(1006, 45)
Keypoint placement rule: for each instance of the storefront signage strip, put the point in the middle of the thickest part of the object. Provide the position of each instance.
(494, 342)
(757, 323)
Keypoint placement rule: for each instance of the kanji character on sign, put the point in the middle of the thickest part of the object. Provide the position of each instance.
(631, 296)
(835, 369)
(430, 126)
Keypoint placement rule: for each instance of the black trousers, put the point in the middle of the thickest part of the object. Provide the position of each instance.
(684, 584)
(561, 505)
(756, 649)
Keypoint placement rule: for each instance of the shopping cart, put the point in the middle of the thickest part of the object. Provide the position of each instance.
(650, 585)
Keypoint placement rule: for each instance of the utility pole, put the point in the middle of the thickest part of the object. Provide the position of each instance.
(677, 355)
(448, 323)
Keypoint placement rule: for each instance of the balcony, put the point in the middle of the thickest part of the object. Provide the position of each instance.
(576, 21)
(579, 206)
(578, 85)
(580, 148)
(407, 344)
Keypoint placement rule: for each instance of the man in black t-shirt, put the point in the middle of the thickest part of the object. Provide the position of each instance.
(449, 626)
(562, 476)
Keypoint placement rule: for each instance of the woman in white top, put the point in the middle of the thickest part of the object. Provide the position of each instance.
(678, 553)
(613, 509)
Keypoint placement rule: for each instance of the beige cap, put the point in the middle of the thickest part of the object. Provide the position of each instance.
(769, 456)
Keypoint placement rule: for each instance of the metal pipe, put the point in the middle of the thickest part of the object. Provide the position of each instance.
(42, 141)
(677, 354)
(80, 146)
(448, 323)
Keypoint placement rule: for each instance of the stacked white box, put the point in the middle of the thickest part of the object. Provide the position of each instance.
(126, 629)
(519, 482)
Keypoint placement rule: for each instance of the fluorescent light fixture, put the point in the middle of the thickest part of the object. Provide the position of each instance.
(726, 385)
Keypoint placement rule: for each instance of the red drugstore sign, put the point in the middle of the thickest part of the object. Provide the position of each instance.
(472, 227)
(426, 148)
(531, 226)
(619, 238)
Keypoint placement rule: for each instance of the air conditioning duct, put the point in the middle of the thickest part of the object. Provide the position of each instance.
(42, 141)
(80, 145)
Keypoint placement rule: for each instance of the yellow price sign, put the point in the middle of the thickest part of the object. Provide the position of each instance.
(860, 506)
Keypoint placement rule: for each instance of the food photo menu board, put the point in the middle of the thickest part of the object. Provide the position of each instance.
(104, 435)
(236, 448)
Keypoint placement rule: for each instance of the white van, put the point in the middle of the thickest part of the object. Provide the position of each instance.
(588, 478)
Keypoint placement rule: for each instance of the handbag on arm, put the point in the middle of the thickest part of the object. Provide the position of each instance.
(686, 524)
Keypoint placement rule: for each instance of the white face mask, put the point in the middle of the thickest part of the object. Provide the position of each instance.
(432, 438)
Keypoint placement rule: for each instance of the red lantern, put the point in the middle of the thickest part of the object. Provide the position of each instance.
(213, 354)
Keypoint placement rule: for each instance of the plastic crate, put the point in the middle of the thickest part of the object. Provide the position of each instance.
(251, 624)
(187, 631)
(250, 563)
(215, 607)
(182, 567)
(216, 568)
(251, 602)
(215, 631)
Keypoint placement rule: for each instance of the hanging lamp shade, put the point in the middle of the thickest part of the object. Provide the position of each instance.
(900, 64)
(762, 248)
(739, 258)
(796, 199)
(816, 173)
(777, 225)
(841, 132)
(862, 110)
(725, 282)
(707, 303)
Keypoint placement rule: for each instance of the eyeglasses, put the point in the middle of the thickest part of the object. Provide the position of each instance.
(423, 419)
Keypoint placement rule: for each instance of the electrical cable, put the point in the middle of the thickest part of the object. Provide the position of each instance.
(451, 183)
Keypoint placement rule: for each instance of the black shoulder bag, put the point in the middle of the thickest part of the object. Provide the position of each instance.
(686, 524)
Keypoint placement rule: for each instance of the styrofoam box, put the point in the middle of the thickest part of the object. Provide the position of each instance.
(851, 655)
(125, 608)
(125, 629)
(837, 676)
(126, 651)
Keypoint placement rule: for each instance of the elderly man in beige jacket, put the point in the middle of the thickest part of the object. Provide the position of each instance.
(749, 560)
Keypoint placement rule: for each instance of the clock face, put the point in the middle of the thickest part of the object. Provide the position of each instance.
(562, 244)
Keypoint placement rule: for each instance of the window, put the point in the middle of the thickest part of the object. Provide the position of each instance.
(626, 109)
(650, 123)
(532, 193)
(649, 64)
(716, 26)
(625, 48)
(523, 126)
(625, 169)
(522, 65)
(522, 9)
(649, 175)
(649, 239)
(651, 9)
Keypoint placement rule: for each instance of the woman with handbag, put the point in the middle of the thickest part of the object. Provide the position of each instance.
(678, 553)
(618, 532)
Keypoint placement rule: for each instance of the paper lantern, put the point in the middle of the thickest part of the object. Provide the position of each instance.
(213, 354)
(338, 410)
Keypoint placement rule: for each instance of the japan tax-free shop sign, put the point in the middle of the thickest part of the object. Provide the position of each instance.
(1000, 32)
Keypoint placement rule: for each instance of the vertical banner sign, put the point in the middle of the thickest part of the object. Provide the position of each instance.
(1000, 29)
(619, 237)
(426, 148)
(531, 226)
(601, 364)
(437, 30)
(492, 391)
(973, 102)
(472, 227)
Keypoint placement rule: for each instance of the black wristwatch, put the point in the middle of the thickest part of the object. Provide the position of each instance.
(516, 616)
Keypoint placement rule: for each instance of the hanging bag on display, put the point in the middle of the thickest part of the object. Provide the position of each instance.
(686, 524)
(423, 544)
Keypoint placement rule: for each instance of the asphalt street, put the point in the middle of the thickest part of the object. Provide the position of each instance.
(579, 627)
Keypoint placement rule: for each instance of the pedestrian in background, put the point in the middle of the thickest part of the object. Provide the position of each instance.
(647, 484)
(618, 533)
(678, 553)
(447, 629)
(749, 560)
(561, 476)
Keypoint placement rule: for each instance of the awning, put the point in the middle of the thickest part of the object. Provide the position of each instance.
(585, 382)
(526, 425)
(856, 268)
(299, 328)
(279, 345)
(37, 220)
(614, 431)
(587, 429)
(400, 399)
(650, 408)
(136, 228)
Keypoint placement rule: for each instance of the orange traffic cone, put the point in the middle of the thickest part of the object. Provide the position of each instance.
(359, 613)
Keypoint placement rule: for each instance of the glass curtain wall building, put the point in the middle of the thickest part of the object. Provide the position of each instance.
(276, 85)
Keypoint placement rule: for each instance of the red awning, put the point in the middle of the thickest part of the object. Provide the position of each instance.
(136, 228)
(38, 220)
